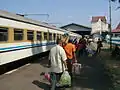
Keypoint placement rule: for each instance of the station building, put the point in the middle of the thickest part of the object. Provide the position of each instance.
(76, 28)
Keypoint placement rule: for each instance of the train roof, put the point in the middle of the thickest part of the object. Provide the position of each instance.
(11, 16)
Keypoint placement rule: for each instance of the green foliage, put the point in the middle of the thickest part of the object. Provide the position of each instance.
(118, 2)
(115, 0)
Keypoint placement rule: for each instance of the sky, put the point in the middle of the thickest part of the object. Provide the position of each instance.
(63, 12)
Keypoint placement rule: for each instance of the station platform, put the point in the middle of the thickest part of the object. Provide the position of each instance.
(28, 76)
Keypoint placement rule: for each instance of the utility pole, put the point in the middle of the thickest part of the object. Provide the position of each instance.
(110, 24)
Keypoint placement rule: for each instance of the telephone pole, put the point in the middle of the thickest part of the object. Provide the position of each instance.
(110, 21)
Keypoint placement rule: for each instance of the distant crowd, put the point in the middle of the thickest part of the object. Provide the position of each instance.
(66, 53)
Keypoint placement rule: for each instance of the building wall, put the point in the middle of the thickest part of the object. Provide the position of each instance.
(99, 27)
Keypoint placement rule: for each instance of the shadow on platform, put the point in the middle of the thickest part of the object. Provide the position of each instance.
(93, 74)
(41, 85)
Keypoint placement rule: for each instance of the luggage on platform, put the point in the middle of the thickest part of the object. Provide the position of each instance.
(90, 52)
(47, 76)
(76, 68)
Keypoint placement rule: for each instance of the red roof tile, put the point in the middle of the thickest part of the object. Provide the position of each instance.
(115, 30)
(96, 18)
(118, 27)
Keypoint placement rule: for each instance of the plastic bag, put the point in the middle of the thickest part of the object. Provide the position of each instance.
(90, 52)
(76, 68)
(47, 76)
(65, 79)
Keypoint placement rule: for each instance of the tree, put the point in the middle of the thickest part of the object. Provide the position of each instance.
(115, 1)
(118, 2)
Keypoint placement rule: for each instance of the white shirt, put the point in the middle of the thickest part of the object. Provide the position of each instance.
(57, 54)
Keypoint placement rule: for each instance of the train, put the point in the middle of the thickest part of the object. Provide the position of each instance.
(21, 37)
(114, 40)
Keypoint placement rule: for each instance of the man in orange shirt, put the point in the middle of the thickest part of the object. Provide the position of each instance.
(70, 53)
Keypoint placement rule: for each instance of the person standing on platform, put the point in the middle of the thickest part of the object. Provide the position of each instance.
(99, 45)
(58, 59)
(71, 56)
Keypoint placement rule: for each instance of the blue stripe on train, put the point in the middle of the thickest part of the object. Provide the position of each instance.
(114, 42)
(26, 46)
(114, 39)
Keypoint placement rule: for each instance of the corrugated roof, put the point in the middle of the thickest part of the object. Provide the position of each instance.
(75, 25)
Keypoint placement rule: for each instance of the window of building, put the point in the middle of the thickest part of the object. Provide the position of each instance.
(3, 34)
(18, 34)
(45, 36)
(50, 36)
(30, 35)
(39, 36)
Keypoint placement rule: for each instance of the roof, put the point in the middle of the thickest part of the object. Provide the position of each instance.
(16, 17)
(115, 30)
(96, 18)
(75, 25)
(118, 27)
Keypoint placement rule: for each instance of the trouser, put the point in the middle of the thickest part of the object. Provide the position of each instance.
(55, 77)
(82, 52)
(58, 75)
(98, 49)
(69, 66)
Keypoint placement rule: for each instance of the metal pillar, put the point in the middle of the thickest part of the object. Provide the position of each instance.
(110, 24)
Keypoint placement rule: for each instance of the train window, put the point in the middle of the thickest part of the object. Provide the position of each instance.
(45, 36)
(50, 36)
(61, 36)
(29, 35)
(39, 35)
(54, 36)
(18, 34)
(58, 36)
(3, 34)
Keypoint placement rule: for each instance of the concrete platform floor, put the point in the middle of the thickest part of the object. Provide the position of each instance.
(28, 78)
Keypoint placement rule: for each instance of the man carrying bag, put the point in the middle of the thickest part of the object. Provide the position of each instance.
(57, 59)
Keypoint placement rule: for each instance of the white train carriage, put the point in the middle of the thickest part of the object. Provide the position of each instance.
(22, 37)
